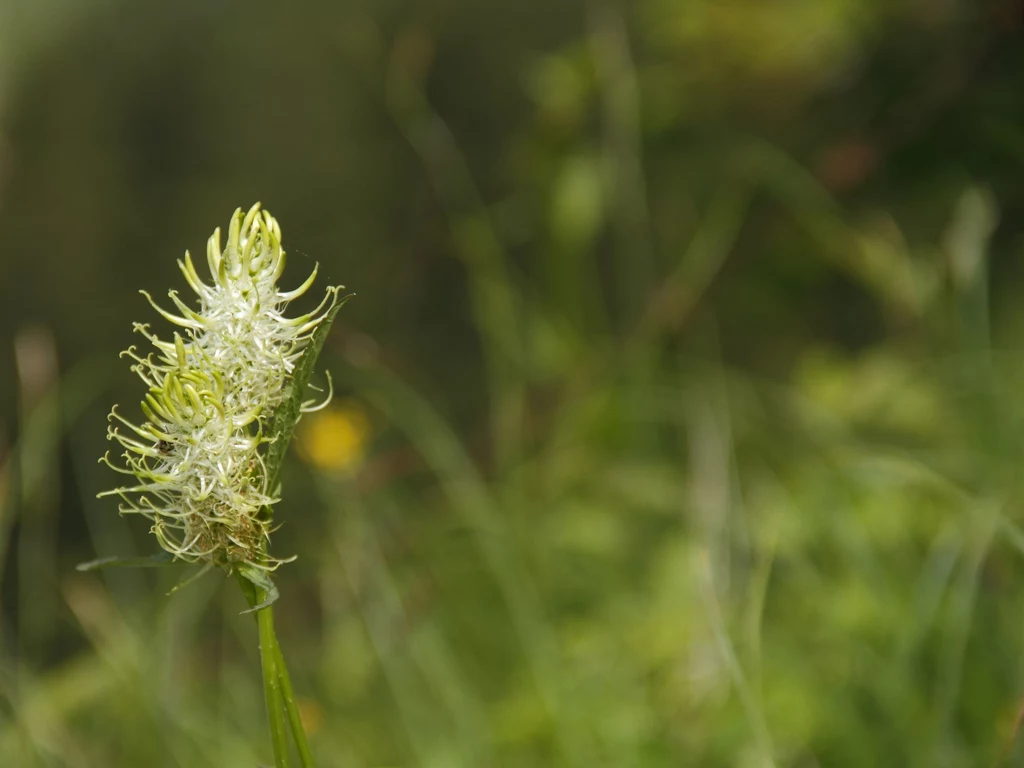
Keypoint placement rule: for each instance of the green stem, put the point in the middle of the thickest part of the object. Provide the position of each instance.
(269, 653)
(294, 718)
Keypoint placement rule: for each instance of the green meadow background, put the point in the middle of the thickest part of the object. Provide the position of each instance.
(680, 410)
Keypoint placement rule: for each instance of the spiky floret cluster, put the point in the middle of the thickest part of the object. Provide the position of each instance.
(199, 473)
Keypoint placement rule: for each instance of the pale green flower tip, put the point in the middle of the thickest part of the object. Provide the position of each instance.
(183, 322)
(234, 229)
(278, 265)
(249, 216)
(305, 286)
(245, 265)
(179, 349)
(188, 269)
(269, 248)
(213, 252)
(187, 313)
(272, 224)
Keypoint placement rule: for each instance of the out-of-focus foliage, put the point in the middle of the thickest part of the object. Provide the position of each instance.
(679, 415)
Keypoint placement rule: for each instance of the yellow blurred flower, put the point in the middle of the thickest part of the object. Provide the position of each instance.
(312, 715)
(334, 439)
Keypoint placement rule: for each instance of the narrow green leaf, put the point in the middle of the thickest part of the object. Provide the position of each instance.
(191, 579)
(287, 414)
(259, 578)
(159, 560)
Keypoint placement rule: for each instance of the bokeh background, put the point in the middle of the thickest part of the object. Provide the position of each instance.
(680, 411)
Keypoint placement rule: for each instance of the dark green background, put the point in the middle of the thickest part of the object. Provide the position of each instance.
(692, 443)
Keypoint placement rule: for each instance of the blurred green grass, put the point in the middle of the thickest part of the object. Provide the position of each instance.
(679, 416)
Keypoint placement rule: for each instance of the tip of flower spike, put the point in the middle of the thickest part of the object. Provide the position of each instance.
(275, 228)
(247, 221)
(234, 228)
(213, 253)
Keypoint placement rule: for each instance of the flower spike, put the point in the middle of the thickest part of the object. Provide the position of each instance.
(200, 476)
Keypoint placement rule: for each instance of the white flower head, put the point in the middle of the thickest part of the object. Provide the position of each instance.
(200, 476)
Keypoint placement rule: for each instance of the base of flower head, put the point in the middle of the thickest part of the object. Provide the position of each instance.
(225, 546)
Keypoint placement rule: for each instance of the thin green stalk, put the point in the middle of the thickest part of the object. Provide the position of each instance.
(294, 718)
(269, 654)
(272, 685)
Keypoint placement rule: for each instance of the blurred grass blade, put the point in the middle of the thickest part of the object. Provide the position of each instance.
(191, 579)
(159, 560)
